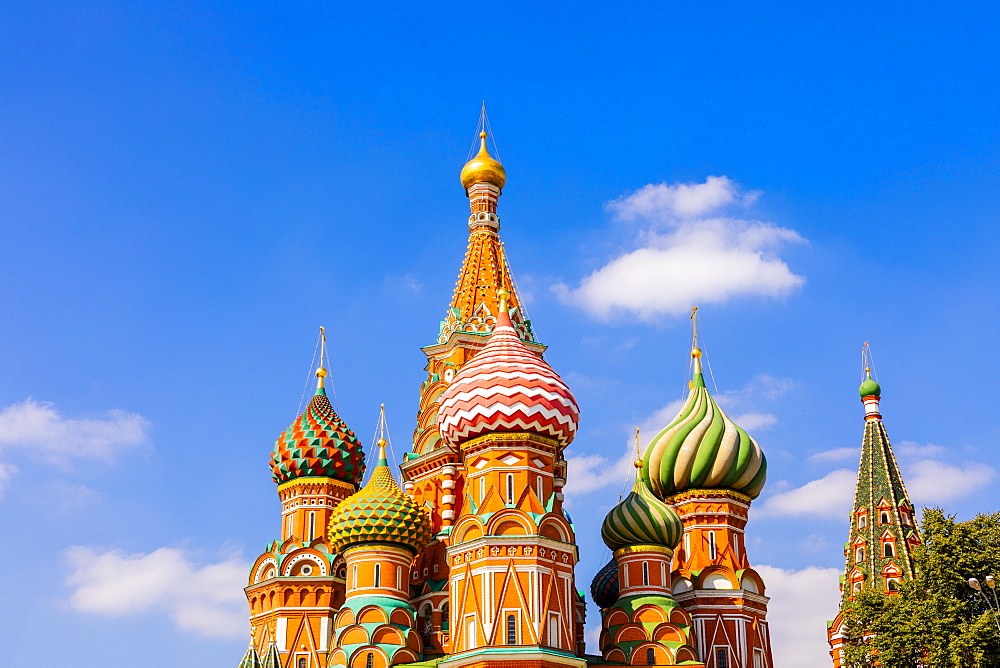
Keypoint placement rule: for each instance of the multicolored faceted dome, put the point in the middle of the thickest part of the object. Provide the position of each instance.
(869, 388)
(641, 519)
(318, 443)
(702, 448)
(483, 168)
(380, 512)
(507, 388)
(604, 586)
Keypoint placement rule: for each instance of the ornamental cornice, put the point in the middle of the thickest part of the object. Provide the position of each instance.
(709, 495)
(643, 549)
(483, 442)
(317, 481)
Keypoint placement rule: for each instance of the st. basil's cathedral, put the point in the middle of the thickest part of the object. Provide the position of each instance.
(471, 562)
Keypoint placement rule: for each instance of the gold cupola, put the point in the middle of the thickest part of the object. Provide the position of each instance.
(483, 168)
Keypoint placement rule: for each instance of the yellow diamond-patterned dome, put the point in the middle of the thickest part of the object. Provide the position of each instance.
(380, 512)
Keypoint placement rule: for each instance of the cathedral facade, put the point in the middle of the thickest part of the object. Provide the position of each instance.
(471, 561)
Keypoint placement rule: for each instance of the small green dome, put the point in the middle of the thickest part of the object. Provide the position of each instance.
(869, 388)
(641, 519)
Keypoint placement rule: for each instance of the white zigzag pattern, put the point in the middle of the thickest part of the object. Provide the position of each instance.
(488, 410)
(488, 391)
(498, 370)
(563, 434)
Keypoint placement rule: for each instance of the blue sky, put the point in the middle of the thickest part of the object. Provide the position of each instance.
(187, 191)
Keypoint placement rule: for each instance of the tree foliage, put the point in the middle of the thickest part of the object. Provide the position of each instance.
(936, 619)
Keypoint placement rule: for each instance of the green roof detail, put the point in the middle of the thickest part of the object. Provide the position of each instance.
(869, 388)
(702, 448)
(641, 519)
(251, 659)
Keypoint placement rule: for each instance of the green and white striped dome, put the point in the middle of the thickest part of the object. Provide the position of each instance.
(641, 519)
(702, 448)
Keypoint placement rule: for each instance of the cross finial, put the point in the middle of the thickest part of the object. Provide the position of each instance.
(695, 350)
(638, 452)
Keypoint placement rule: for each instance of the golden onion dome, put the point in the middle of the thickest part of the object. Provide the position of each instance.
(483, 168)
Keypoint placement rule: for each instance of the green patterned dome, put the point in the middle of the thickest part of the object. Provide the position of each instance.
(641, 519)
(702, 448)
(318, 444)
(380, 512)
(869, 388)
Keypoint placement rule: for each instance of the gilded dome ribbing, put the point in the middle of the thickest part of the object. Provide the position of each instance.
(318, 443)
(483, 168)
(641, 519)
(379, 512)
(703, 448)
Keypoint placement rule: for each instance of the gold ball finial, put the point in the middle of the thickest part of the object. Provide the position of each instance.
(483, 135)
(637, 463)
(321, 372)
(696, 352)
(381, 443)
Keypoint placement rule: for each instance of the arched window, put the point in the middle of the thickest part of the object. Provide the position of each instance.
(539, 489)
(862, 521)
(510, 488)
(721, 658)
(650, 656)
(511, 630)
(888, 550)
(312, 525)
(859, 554)
(370, 660)
(354, 576)
(378, 575)
(712, 552)
(470, 639)
(645, 572)
(884, 517)
(687, 544)
(301, 663)
(482, 488)
(892, 584)
(445, 620)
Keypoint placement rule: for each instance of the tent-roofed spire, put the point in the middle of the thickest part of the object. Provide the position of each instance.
(883, 531)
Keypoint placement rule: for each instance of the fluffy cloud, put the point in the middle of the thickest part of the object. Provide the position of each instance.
(836, 455)
(206, 600)
(589, 473)
(41, 427)
(689, 255)
(831, 497)
(802, 601)
(931, 481)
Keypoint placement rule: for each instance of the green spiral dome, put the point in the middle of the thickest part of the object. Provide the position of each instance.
(702, 448)
(641, 519)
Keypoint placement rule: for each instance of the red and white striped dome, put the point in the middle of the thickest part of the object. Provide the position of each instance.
(507, 388)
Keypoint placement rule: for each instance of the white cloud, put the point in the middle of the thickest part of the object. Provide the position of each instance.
(688, 257)
(682, 200)
(931, 481)
(836, 455)
(755, 421)
(802, 602)
(914, 449)
(39, 429)
(206, 600)
(830, 497)
(38, 425)
(588, 473)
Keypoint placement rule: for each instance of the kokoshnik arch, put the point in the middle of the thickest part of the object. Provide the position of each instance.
(471, 562)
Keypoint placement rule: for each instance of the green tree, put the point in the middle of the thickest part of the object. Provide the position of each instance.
(936, 619)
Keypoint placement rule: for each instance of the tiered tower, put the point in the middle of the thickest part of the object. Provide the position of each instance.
(709, 470)
(641, 622)
(884, 533)
(378, 531)
(298, 582)
(433, 472)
